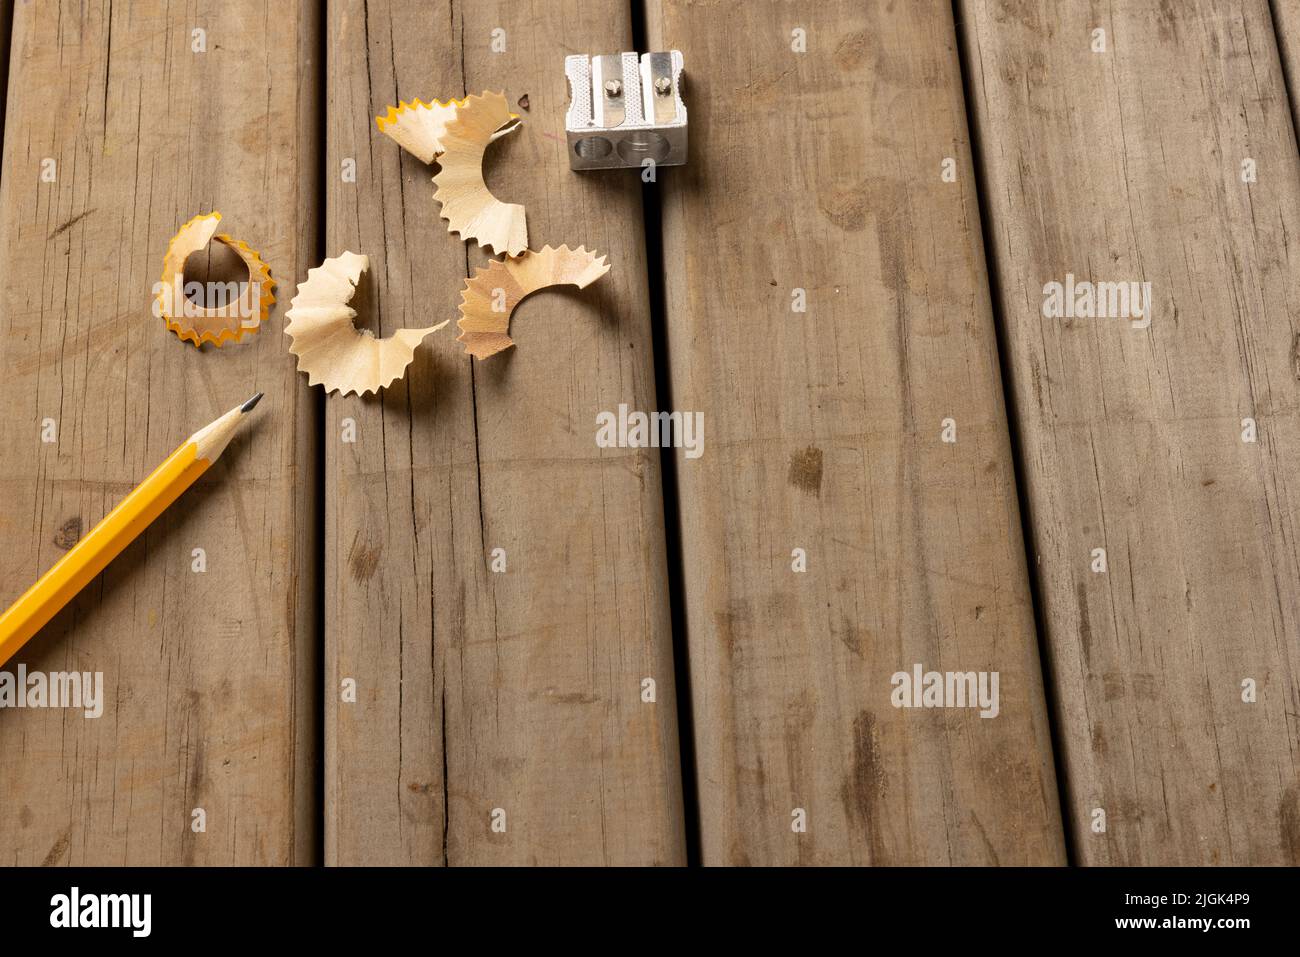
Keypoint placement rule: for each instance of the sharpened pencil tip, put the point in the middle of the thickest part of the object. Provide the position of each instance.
(248, 406)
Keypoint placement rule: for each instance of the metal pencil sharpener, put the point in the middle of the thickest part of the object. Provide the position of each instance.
(625, 111)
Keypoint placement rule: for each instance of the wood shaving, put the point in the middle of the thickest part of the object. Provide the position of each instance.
(467, 205)
(219, 325)
(491, 295)
(417, 127)
(330, 349)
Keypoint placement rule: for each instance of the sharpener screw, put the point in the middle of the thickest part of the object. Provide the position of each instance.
(613, 88)
(663, 86)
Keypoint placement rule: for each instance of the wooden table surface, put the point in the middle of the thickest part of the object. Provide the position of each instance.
(445, 626)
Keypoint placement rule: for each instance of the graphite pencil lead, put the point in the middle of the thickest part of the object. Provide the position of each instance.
(248, 406)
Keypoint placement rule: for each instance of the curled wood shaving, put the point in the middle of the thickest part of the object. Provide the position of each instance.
(330, 349)
(417, 127)
(491, 295)
(467, 205)
(221, 324)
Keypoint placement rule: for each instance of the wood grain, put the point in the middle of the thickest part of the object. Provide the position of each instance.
(206, 676)
(821, 171)
(1127, 166)
(479, 690)
(1286, 24)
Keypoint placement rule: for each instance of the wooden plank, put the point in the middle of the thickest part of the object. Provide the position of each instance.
(479, 690)
(206, 694)
(1127, 165)
(821, 171)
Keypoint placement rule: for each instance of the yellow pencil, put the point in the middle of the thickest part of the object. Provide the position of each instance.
(91, 555)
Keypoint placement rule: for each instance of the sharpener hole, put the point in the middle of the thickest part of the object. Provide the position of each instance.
(643, 146)
(593, 147)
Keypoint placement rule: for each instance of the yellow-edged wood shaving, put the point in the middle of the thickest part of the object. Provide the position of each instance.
(219, 325)
(417, 127)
